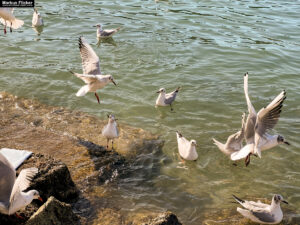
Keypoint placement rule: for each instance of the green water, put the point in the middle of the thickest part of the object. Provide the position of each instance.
(205, 47)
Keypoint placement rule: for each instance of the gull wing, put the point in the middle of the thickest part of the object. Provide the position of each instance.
(22, 183)
(268, 116)
(88, 79)
(264, 216)
(90, 61)
(170, 97)
(235, 141)
(251, 119)
(7, 179)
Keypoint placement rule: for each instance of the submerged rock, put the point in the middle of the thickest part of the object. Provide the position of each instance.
(166, 218)
(54, 212)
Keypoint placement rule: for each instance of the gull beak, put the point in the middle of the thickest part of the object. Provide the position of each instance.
(114, 82)
(285, 202)
(158, 92)
(287, 143)
(39, 198)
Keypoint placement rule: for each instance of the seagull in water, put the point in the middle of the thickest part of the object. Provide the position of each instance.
(8, 19)
(91, 71)
(105, 33)
(110, 131)
(164, 99)
(257, 125)
(187, 149)
(262, 213)
(234, 142)
(12, 195)
(37, 19)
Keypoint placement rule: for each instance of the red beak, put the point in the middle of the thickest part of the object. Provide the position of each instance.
(40, 199)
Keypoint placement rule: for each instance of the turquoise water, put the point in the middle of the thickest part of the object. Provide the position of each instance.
(205, 47)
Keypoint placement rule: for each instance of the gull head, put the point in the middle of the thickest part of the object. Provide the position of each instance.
(281, 140)
(278, 199)
(193, 143)
(36, 195)
(162, 90)
(111, 118)
(39, 15)
(111, 79)
(98, 26)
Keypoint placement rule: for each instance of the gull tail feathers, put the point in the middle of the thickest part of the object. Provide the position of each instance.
(241, 201)
(82, 91)
(221, 146)
(16, 23)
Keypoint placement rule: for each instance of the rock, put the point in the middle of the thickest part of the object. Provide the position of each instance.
(54, 212)
(166, 218)
(53, 178)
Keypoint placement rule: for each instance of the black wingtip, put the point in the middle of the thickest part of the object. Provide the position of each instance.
(246, 74)
(177, 89)
(71, 72)
(179, 134)
(238, 199)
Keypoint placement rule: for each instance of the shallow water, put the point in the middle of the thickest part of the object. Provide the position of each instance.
(205, 47)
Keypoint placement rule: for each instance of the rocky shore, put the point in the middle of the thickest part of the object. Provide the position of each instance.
(72, 162)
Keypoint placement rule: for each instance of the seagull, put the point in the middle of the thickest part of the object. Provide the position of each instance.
(37, 19)
(8, 19)
(12, 195)
(110, 131)
(105, 33)
(234, 142)
(262, 213)
(187, 149)
(164, 99)
(91, 71)
(257, 125)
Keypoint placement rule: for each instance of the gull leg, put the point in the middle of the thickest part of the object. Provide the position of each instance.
(5, 27)
(112, 144)
(171, 107)
(18, 216)
(97, 97)
(107, 140)
(247, 160)
(10, 27)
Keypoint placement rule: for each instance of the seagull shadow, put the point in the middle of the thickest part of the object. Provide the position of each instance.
(108, 40)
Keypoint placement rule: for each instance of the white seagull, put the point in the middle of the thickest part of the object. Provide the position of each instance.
(105, 33)
(164, 99)
(8, 19)
(187, 149)
(234, 142)
(91, 71)
(257, 125)
(12, 195)
(110, 131)
(262, 213)
(37, 19)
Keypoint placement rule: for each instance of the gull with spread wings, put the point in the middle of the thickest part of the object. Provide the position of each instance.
(257, 125)
(91, 71)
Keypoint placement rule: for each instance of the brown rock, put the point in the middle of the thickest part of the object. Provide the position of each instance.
(54, 212)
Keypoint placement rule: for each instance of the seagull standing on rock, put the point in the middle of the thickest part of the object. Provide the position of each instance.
(164, 99)
(12, 195)
(110, 131)
(8, 19)
(91, 71)
(187, 149)
(105, 33)
(262, 213)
